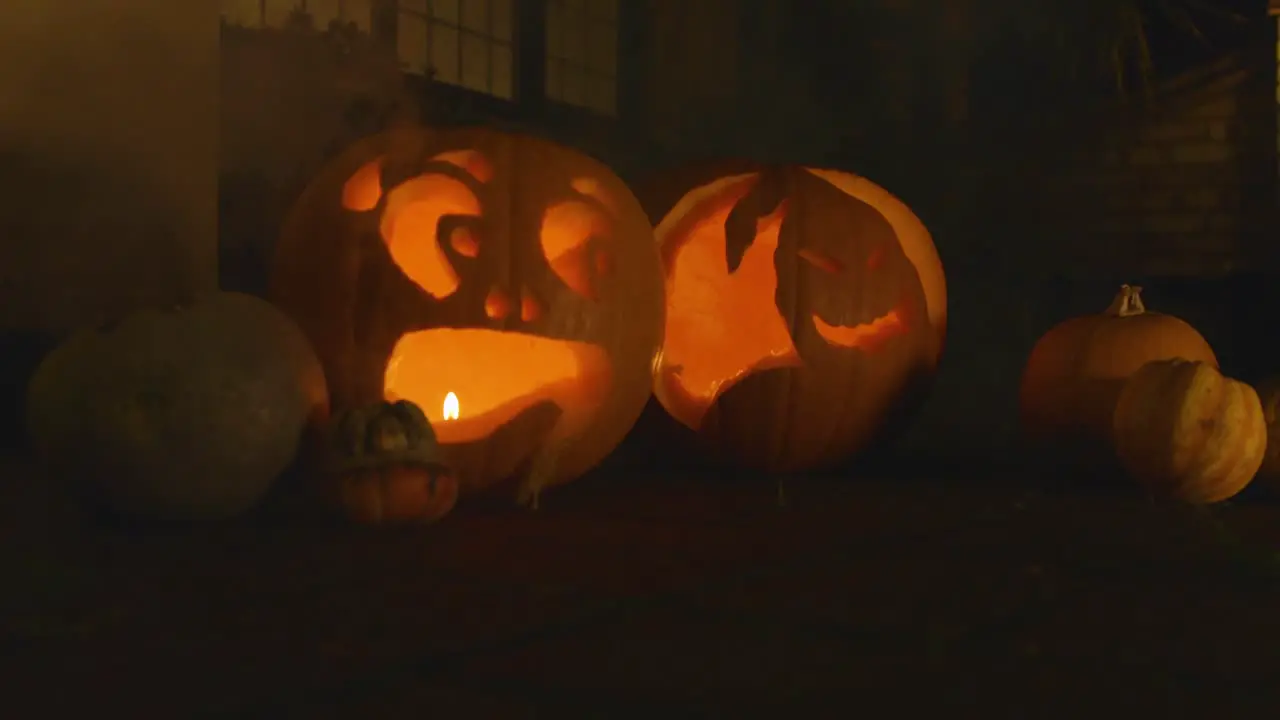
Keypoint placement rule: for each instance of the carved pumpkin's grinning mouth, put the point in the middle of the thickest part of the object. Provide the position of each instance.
(867, 336)
(495, 375)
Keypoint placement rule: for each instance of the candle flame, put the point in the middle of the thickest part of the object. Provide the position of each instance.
(451, 406)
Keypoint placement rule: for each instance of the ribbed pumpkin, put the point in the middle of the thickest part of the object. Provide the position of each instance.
(1269, 473)
(1076, 370)
(383, 466)
(1184, 430)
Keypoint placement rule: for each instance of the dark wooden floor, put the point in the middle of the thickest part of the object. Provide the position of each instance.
(655, 597)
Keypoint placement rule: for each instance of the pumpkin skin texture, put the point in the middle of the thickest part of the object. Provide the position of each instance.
(1074, 374)
(1269, 474)
(806, 308)
(504, 284)
(1185, 431)
(383, 466)
(189, 413)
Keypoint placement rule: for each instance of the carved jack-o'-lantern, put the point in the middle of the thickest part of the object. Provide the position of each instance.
(504, 284)
(804, 307)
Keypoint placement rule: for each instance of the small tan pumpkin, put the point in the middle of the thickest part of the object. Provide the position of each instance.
(1269, 473)
(1076, 370)
(1184, 430)
(383, 466)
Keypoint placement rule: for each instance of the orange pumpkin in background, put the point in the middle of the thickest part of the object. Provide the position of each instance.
(506, 285)
(1075, 372)
(804, 309)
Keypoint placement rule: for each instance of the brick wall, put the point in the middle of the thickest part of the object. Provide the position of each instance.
(1179, 188)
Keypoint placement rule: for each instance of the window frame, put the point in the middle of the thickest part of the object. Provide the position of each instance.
(529, 105)
(490, 39)
(450, 104)
(585, 66)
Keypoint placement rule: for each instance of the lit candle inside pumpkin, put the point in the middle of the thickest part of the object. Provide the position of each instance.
(451, 408)
(427, 365)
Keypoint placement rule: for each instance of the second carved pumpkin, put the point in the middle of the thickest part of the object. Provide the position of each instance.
(506, 285)
(803, 307)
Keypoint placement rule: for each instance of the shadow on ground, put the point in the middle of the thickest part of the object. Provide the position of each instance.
(629, 595)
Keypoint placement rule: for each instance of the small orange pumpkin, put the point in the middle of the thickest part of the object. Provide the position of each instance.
(1185, 431)
(383, 466)
(1076, 370)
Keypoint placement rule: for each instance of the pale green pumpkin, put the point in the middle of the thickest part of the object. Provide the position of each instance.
(185, 413)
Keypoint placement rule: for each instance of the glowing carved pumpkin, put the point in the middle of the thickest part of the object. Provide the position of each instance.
(803, 308)
(506, 285)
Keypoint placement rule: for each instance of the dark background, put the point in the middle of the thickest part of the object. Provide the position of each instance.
(1049, 162)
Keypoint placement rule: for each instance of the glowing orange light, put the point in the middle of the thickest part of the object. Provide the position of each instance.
(867, 336)
(721, 326)
(451, 407)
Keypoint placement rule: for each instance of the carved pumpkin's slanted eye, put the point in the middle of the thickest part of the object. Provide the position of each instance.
(876, 258)
(821, 260)
(571, 234)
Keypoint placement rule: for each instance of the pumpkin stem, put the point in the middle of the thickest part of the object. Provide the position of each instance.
(1128, 302)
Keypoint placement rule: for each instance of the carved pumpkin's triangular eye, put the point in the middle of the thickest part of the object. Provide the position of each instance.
(574, 237)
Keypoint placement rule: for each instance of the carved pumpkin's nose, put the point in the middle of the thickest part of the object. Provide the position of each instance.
(498, 305)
